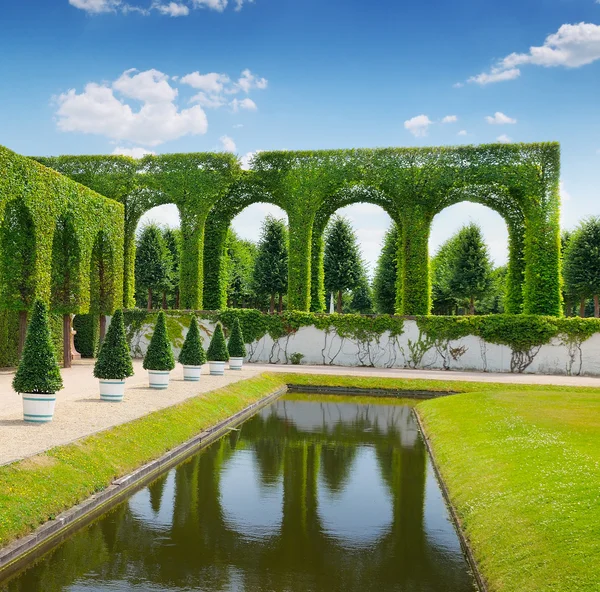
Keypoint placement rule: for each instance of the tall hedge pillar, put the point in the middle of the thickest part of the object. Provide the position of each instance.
(191, 283)
(318, 300)
(414, 263)
(513, 301)
(399, 306)
(215, 288)
(299, 273)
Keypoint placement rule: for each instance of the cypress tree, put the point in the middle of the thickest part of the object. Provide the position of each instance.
(386, 273)
(236, 346)
(160, 353)
(342, 262)
(192, 353)
(217, 350)
(271, 266)
(38, 370)
(114, 359)
(152, 262)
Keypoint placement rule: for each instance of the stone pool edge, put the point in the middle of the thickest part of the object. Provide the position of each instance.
(464, 541)
(14, 556)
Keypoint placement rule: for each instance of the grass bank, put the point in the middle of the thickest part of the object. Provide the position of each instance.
(522, 466)
(37, 489)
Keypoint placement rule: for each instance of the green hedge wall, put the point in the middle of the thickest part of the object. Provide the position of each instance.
(87, 336)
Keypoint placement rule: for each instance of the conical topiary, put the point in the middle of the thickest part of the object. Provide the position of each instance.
(192, 353)
(114, 359)
(217, 350)
(236, 346)
(160, 354)
(38, 370)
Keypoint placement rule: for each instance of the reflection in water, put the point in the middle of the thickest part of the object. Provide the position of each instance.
(308, 495)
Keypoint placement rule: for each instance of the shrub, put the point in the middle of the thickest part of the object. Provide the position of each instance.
(236, 346)
(38, 370)
(160, 354)
(217, 350)
(88, 333)
(192, 353)
(296, 358)
(114, 359)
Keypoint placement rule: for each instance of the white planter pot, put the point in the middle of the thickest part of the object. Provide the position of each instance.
(112, 389)
(217, 368)
(159, 379)
(38, 408)
(236, 363)
(192, 373)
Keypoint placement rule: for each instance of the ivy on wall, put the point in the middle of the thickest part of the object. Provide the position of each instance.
(413, 185)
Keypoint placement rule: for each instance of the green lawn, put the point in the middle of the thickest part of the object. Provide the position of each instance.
(523, 471)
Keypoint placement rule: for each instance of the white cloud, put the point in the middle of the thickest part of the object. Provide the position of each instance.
(208, 101)
(133, 152)
(503, 139)
(499, 119)
(212, 82)
(462, 133)
(572, 46)
(246, 160)
(450, 119)
(418, 126)
(172, 9)
(245, 104)
(240, 3)
(457, 85)
(96, 6)
(218, 5)
(247, 81)
(227, 144)
(97, 110)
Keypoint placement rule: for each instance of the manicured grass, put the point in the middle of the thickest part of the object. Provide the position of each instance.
(523, 470)
(37, 489)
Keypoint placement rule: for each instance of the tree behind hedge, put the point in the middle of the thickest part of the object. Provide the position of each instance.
(192, 352)
(271, 267)
(114, 359)
(582, 263)
(152, 262)
(38, 370)
(172, 238)
(236, 347)
(160, 353)
(443, 300)
(386, 273)
(471, 266)
(217, 350)
(362, 295)
(342, 262)
(240, 260)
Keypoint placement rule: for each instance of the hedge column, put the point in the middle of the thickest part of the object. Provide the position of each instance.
(191, 283)
(301, 226)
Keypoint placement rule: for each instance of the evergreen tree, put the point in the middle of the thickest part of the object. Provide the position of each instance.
(342, 262)
(172, 238)
(38, 370)
(217, 350)
(471, 267)
(160, 353)
(271, 267)
(152, 262)
(192, 353)
(582, 263)
(493, 300)
(568, 293)
(386, 273)
(362, 295)
(236, 346)
(114, 359)
(443, 299)
(240, 261)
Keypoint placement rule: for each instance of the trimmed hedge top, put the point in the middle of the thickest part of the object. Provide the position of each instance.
(217, 350)
(38, 370)
(114, 359)
(160, 353)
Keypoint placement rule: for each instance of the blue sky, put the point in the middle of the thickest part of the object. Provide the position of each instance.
(98, 76)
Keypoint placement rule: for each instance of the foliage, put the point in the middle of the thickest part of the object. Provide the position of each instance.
(41, 212)
(87, 336)
(362, 295)
(492, 302)
(172, 239)
(271, 265)
(296, 358)
(114, 359)
(192, 352)
(240, 262)
(386, 273)
(236, 346)
(217, 349)
(520, 469)
(444, 300)
(160, 353)
(342, 262)
(38, 370)
(152, 263)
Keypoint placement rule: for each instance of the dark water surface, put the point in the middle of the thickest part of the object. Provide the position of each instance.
(311, 494)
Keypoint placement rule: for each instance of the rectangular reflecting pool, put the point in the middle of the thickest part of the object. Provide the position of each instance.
(312, 494)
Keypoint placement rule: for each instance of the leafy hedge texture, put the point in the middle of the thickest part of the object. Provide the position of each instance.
(217, 350)
(87, 334)
(114, 360)
(38, 370)
(192, 353)
(160, 353)
(413, 185)
(236, 346)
